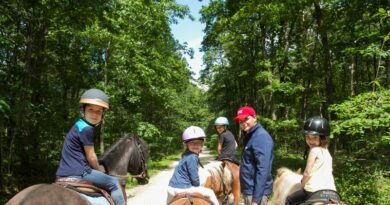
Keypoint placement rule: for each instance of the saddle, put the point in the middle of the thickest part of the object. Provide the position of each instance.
(325, 196)
(190, 196)
(84, 187)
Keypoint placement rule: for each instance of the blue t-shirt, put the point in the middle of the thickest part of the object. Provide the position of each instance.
(186, 172)
(73, 160)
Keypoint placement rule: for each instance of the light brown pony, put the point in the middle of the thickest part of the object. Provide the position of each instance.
(223, 179)
(288, 182)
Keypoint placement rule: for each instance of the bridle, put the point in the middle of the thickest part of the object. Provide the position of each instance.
(144, 173)
(223, 183)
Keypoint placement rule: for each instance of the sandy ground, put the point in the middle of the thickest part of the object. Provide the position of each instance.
(154, 193)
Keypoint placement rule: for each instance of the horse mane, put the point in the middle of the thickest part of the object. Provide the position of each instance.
(216, 171)
(139, 156)
(129, 153)
(113, 158)
(286, 182)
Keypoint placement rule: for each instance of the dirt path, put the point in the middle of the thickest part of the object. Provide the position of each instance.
(154, 193)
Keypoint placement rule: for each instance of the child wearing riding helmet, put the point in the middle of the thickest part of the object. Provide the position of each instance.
(318, 172)
(227, 144)
(78, 157)
(186, 177)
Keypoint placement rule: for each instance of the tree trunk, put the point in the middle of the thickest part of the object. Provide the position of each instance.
(353, 69)
(327, 65)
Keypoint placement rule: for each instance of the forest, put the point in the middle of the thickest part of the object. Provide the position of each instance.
(290, 60)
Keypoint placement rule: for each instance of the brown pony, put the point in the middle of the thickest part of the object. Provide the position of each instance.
(223, 179)
(118, 160)
(288, 182)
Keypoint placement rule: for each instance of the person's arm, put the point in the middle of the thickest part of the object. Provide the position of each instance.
(220, 142)
(262, 150)
(219, 148)
(192, 167)
(92, 158)
(309, 166)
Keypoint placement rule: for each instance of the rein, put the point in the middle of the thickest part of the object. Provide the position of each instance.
(143, 174)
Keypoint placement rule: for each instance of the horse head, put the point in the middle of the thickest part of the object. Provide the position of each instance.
(139, 159)
(129, 154)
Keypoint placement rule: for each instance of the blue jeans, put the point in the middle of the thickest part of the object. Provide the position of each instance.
(106, 182)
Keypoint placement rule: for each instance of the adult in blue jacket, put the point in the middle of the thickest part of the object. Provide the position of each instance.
(256, 161)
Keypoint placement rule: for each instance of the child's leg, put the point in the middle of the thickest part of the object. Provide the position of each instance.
(296, 197)
(108, 183)
(171, 192)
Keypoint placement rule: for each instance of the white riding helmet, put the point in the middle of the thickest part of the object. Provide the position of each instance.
(221, 121)
(193, 132)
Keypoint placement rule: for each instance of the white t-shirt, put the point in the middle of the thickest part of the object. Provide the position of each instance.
(321, 176)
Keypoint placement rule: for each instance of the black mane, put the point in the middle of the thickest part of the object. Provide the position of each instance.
(127, 154)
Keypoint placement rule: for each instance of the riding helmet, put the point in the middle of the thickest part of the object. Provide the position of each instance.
(193, 132)
(317, 126)
(221, 121)
(95, 97)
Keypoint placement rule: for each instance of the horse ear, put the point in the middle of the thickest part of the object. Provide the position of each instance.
(299, 171)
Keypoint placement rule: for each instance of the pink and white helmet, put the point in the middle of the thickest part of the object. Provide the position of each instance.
(193, 132)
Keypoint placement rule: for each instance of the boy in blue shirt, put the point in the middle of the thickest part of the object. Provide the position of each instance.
(78, 157)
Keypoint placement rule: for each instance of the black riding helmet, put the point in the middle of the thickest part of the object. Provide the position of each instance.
(317, 126)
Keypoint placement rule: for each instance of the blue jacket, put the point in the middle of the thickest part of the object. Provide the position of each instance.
(186, 172)
(256, 163)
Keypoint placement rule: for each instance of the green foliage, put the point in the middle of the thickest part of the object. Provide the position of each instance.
(361, 181)
(212, 141)
(51, 51)
(363, 124)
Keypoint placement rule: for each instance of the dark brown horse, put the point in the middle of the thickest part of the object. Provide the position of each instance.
(223, 179)
(129, 154)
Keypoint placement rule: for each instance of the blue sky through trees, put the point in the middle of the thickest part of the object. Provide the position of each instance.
(191, 32)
